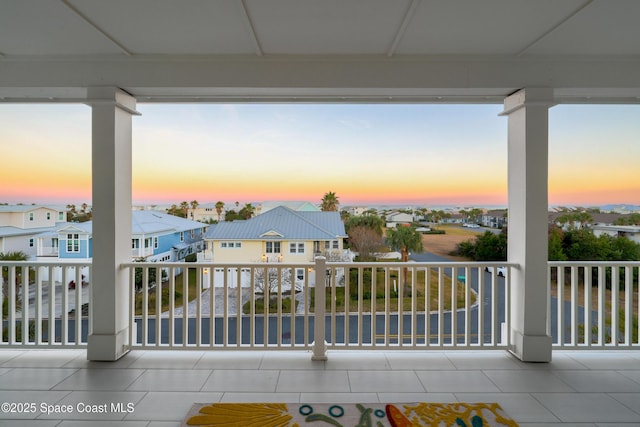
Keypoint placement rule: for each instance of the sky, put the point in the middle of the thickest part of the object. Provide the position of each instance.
(368, 154)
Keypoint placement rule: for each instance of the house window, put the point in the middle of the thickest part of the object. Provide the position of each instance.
(182, 236)
(30, 243)
(230, 244)
(273, 247)
(335, 244)
(73, 243)
(135, 243)
(299, 273)
(48, 216)
(193, 233)
(30, 216)
(296, 248)
(60, 216)
(155, 243)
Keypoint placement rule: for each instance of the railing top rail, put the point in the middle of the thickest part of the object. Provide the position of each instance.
(58, 263)
(594, 263)
(423, 264)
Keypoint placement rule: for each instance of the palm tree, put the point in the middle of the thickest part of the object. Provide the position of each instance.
(330, 202)
(194, 205)
(219, 208)
(184, 206)
(247, 211)
(405, 240)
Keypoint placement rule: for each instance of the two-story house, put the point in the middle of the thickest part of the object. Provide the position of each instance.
(280, 235)
(156, 236)
(21, 224)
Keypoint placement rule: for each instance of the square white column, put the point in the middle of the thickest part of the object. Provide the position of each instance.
(111, 186)
(528, 135)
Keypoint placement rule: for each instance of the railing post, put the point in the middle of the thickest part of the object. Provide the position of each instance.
(319, 345)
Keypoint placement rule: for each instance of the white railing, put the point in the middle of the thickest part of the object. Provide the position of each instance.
(45, 304)
(367, 306)
(594, 304)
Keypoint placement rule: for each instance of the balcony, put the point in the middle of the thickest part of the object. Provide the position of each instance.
(227, 357)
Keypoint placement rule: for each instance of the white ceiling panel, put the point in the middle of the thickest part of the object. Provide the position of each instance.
(490, 27)
(605, 27)
(45, 27)
(193, 27)
(326, 27)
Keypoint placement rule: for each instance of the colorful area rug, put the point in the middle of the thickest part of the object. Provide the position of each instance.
(348, 415)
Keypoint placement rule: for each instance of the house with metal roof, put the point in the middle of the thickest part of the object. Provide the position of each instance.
(20, 224)
(278, 235)
(156, 236)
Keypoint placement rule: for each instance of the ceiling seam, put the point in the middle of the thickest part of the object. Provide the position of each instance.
(251, 28)
(555, 27)
(96, 27)
(408, 16)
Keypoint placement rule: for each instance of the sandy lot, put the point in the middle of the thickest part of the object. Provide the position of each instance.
(443, 244)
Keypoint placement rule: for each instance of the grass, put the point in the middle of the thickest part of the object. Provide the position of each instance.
(192, 290)
(385, 288)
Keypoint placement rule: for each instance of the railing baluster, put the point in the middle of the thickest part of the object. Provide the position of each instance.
(319, 344)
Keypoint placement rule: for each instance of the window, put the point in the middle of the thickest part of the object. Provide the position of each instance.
(31, 243)
(335, 244)
(230, 244)
(30, 216)
(182, 236)
(299, 273)
(73, 243)
(48, 216)
(273, 247)
(155, 243)
(193, 233)
(147, 243)
(135, 243)
(296, 248)
(60, 216)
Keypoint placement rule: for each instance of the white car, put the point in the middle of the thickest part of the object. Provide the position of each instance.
(502, 271)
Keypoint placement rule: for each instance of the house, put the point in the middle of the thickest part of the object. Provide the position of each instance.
(279, 235)
(206, 213)
(296, 206)
(20, 224)
(395, 218)
(631, 232)
(156, 236)
(494, 218)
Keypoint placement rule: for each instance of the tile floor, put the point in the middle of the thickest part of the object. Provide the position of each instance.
(156, 388)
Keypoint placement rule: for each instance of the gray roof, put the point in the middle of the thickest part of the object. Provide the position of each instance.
(281, 223)
(147, 222)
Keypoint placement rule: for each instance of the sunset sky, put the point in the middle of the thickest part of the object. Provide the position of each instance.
(425, 155)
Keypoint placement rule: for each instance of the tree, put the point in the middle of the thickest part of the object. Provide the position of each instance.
(247, 211)
(329, 202)
(405, 240)
(219, 208)
(373, 222)
(267, 279)
(366, 241)
(194, 205)
(184, 206)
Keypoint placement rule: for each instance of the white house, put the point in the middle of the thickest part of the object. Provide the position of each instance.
(20, 224)
(631, 232)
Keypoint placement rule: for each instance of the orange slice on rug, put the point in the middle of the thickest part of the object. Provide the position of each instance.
(397, 418)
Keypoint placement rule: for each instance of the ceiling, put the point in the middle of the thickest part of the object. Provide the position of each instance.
(170, 49)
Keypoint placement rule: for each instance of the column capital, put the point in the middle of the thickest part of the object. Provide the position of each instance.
(112, 95)
(530, 96)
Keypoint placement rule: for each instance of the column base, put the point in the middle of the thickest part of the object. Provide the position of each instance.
(108, 347)
(319, 351)
(531, 348)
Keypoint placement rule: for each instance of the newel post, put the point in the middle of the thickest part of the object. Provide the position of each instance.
(319, 345)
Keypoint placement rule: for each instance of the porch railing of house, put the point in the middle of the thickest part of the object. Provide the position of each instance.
(366, 305)
(594, 305)
(45, 304)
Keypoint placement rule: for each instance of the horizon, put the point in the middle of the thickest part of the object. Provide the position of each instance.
(370, 154)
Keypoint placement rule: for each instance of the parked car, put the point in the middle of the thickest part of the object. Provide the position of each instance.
(502, 271)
